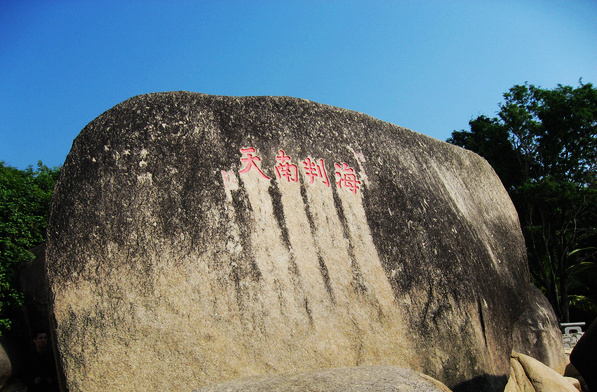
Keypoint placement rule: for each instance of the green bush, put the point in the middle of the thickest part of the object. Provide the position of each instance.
(25, 197)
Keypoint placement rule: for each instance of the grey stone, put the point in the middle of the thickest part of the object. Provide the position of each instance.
(354, 379)
(174, 263)
(5, 366)
(537, 332)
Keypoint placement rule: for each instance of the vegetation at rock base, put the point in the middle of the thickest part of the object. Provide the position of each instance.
(543, 146)
(25, 197)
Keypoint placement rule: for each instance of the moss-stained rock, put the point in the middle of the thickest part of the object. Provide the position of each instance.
(196, 239)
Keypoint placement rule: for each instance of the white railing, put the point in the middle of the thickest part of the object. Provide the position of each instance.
(571, 333)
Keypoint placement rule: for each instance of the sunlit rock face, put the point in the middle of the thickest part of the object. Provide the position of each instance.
(196, 239)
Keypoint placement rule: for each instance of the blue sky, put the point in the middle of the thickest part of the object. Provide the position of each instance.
(429, 66)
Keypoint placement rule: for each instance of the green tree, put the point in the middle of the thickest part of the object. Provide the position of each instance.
(543, 146)
(24, 208)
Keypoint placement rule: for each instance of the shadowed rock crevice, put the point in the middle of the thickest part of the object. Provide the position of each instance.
(482, 322)
(485, 382)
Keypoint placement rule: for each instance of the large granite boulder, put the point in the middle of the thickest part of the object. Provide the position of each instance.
(353, 379)
(196, 239)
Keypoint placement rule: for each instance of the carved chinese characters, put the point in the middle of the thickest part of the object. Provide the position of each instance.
(285, 169)
(312, 169)
(251, 162)
(346, 178)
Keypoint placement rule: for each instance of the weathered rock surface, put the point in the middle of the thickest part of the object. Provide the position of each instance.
(353, 379)
(537, 333)
(5, 366)
(531, 375)
(175, 263)
(575, 383)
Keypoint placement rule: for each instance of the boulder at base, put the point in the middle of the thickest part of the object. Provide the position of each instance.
(196, 239)
(354, 379)
(530, 375)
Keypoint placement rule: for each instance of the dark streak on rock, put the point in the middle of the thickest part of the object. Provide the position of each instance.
(357, 278)
(278, 209)
(308, 311)
(237, 287)
(244, 220)
(276, 196)
(322, 267)
(482, 320)
(326, 277)
(390, 252)
(425, 314)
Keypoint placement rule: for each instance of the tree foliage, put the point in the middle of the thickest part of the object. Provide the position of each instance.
(24, 207)
(543, 146)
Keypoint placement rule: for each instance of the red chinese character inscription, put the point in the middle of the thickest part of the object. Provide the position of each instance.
(285, 169)
(346, 178)
(314, 169)
(251, 161)
(345, 175)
